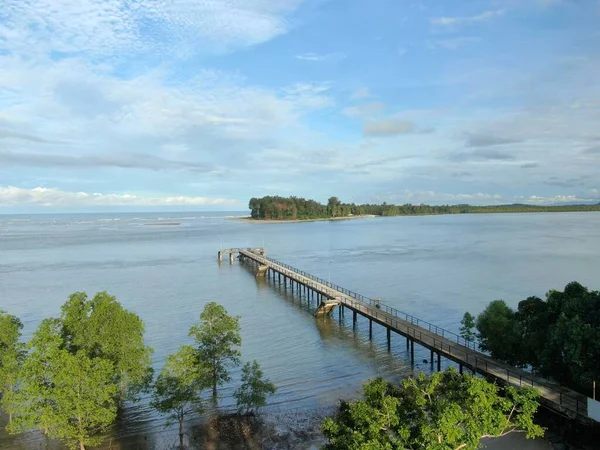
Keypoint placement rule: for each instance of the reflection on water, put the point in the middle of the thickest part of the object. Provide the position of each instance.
(432, 267)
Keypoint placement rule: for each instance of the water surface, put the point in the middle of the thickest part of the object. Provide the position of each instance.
(434, 267)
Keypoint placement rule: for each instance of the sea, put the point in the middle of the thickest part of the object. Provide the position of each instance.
(163, 267)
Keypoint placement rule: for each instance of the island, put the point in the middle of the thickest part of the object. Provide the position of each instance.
(285, 209)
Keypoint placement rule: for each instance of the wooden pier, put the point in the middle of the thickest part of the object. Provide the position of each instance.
(440, 342)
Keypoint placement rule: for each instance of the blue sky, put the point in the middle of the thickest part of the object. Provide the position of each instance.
(202, 104)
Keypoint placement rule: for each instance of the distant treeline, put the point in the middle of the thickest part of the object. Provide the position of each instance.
(292, 208)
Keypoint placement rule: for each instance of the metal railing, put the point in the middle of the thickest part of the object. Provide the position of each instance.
(388, 309)
(479, 362)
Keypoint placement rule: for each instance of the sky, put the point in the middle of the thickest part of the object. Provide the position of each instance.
(203, 104)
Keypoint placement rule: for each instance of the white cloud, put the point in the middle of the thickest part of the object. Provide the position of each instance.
(50, 197)
(87, 109)
(452, 44)
(315, 57)
(559, 199)
(388, 127)
(361, 94)
(103, 27)
(424, 196)
(454, 22)
(366, 110)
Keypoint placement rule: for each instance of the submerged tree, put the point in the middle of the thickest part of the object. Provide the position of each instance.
(252, 394)
(441, 412)
(11, 358)
(36, 406)
(177, 390)
(69, 396)
(217, 338)
(83, 399)
(104, 329)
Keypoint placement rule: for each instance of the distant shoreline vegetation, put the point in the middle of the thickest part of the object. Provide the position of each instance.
(297, 208)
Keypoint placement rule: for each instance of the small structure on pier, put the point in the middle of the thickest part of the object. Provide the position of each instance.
(233, 251)
(327, 305)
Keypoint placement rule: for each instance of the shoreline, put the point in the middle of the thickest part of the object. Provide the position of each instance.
(249, 219)
(323, 219)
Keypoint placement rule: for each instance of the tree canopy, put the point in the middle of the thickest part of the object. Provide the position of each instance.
(69, 396)
(252, 394)
(217, 339)
(178, 388)
(11, 358)
(444, 411)
(104, 329)
(69, 378)
(292, 208)
(559, 336)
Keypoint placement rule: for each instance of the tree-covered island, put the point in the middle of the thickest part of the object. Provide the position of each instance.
(298, 208)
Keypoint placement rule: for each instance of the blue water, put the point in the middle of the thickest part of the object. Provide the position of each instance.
(434, 267)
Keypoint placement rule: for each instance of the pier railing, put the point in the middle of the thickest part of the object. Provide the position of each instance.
(462, 351)
(388, 309)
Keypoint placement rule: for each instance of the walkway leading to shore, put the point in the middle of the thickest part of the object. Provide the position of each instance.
(441, 342)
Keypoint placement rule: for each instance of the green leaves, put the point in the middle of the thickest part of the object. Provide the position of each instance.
(467, 327)
(104, 329)
(252, 394)
(11, 358)
(178, 388)
(217, 337)
(443, 411)
(560, 336)
(83, 399)
(76, 369)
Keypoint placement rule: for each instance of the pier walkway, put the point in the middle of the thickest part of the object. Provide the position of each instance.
(441, 342)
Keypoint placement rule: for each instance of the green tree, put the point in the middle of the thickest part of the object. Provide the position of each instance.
(555, 336)
(444, 411)
(83, 396)
(467, 327)
(104, 329)
(11, 358)
(498, 333)
(35, 398)
(177, 390)
(69, 396)
(217, 337)
(252, 394)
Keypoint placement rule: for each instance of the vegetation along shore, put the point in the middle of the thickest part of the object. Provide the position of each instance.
(282, 209)
(79, 371)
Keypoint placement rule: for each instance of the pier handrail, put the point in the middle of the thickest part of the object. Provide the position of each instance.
(563, 396)
(390, 310)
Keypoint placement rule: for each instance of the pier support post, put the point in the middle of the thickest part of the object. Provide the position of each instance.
(280, 278)
(370, 329)
(340, 308)
(460, 369)
(354, 320)
(389, 339)
(407, 343)
(439, 362)
(220, 256)
(231, 258)
(412, 352)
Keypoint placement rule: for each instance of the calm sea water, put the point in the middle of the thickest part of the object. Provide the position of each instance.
(433, 267)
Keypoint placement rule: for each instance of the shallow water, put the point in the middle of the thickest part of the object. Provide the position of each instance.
(433, 267)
